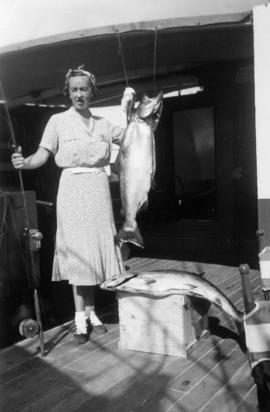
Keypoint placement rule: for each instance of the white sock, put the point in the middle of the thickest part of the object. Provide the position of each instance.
(94, 319)
(80, 322)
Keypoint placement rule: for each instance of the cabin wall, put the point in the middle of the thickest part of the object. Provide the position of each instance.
(222, 214)
(219, 223)
(245, 166)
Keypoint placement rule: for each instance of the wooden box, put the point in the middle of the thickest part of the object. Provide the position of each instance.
(170, 326)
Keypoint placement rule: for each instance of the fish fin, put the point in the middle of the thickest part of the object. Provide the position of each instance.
(115, 167)
(157, 117)
(114, 282)
(153, 184)
(192, 287)
(130, 235)
(143, 206)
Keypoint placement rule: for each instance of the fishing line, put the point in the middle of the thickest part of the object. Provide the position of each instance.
(122, 57)
(155, 60)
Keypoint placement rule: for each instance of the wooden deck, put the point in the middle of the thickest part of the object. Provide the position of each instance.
(99, 377)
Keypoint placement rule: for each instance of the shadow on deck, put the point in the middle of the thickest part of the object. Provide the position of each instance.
(98, 376)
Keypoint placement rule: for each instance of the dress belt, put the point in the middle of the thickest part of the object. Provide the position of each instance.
(77, 170)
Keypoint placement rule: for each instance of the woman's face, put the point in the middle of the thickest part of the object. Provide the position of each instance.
(80, 92)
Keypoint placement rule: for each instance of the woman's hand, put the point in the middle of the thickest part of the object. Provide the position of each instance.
(128, 97)
(37, 159)
(128, 94)
(17, 159)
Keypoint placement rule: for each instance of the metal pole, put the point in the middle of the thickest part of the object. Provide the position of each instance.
(38, 315)
(247, 290)
(260, 236)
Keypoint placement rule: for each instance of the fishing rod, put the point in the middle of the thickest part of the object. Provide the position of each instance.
(32, 240)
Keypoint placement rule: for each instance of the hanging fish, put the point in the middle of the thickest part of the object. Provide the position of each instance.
(137, 163)
(162, 283)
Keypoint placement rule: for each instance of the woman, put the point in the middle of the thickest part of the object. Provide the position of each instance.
(85, 252)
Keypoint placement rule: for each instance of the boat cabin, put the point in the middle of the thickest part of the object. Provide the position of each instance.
(204, 204)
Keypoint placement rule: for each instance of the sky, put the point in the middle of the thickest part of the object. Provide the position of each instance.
(22, 20)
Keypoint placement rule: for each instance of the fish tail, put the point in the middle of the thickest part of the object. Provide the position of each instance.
(130, 235)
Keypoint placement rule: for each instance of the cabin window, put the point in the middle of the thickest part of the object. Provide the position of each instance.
(194, 163)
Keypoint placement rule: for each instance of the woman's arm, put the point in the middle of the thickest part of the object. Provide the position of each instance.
(37, 159)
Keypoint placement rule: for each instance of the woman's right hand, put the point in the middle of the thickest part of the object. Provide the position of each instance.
(18, 159)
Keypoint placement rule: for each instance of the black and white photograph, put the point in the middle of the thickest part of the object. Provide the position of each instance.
(134, 206)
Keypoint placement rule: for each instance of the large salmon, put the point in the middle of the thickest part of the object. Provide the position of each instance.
(136, 163)
(162, 283)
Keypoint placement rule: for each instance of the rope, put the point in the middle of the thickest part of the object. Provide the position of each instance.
(155, 61)
(122, 58)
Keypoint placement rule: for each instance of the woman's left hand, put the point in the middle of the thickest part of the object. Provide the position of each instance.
(128, 95)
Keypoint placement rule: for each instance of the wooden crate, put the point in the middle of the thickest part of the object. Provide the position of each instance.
(170, 326)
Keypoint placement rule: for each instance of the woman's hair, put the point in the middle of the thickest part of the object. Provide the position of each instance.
(79, 71)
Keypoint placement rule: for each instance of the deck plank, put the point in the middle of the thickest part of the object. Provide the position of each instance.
(98, 376)
(234, 392)
(214, 371)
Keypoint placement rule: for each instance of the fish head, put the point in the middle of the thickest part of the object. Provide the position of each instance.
(150, 107)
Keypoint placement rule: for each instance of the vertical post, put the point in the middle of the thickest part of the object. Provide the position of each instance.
(260, 236)
(262, 261)
(247, 291)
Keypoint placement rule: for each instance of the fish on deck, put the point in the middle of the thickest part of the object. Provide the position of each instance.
(162, 283)
(137, 163)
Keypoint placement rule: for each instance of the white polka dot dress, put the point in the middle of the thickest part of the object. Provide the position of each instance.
(85, 252)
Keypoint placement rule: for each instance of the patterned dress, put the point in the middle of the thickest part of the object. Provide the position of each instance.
(85, 252)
